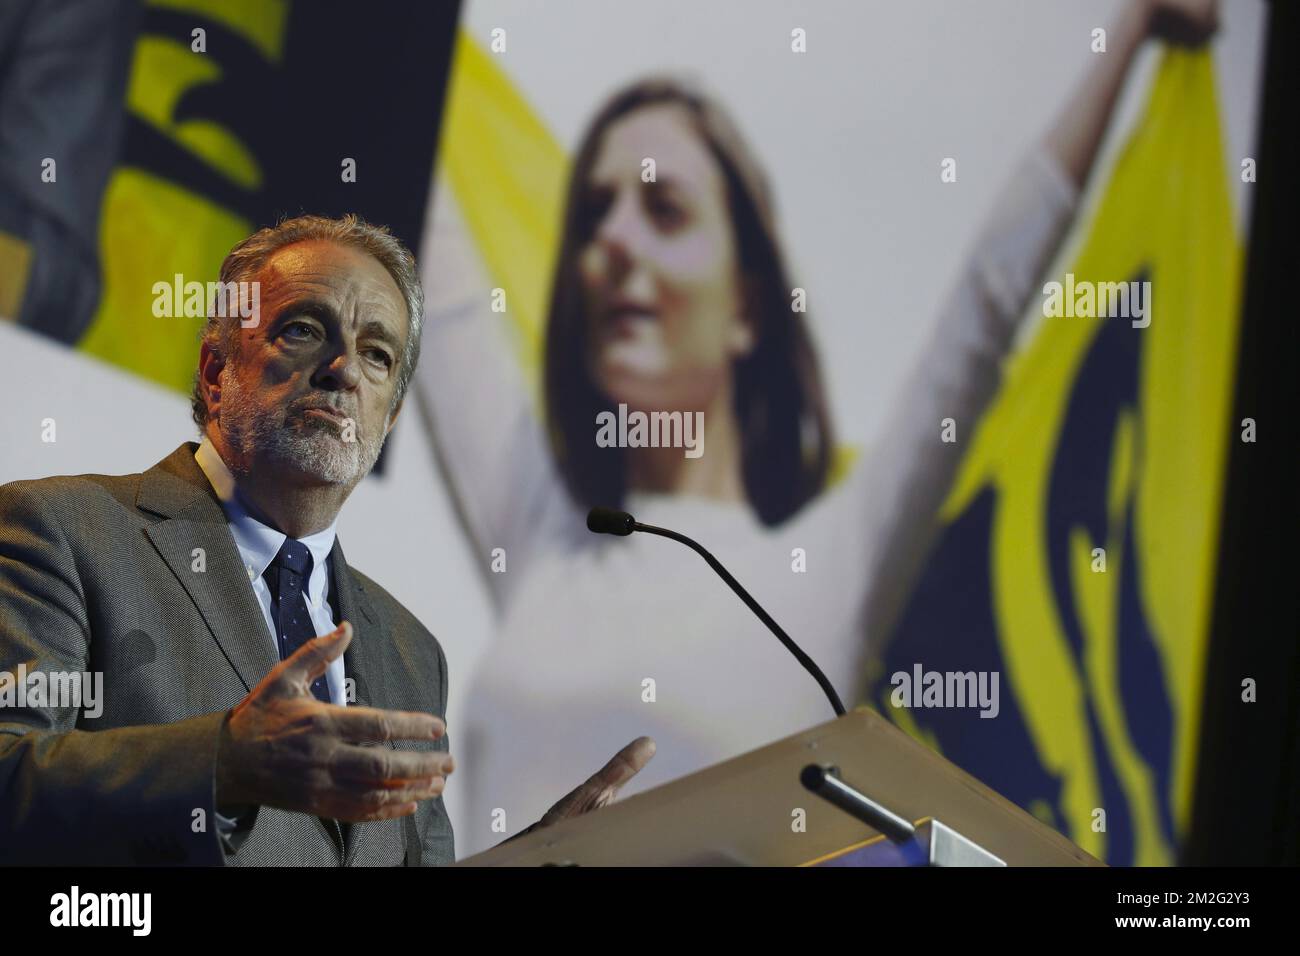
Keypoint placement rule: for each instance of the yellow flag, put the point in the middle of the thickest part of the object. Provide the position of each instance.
(1078, 552)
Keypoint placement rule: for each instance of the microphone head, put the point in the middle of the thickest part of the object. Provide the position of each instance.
(608, 521)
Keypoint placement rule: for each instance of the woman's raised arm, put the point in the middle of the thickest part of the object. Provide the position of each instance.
(488, 437)
(910, 469)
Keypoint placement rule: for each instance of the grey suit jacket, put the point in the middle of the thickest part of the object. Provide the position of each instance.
(104, 573)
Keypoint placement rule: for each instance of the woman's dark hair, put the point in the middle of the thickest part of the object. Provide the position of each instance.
(780, 405)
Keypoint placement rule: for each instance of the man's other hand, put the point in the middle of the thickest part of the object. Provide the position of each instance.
(282, 747)
(603, 786)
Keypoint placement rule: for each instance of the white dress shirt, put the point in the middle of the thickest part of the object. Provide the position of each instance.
(259, 544)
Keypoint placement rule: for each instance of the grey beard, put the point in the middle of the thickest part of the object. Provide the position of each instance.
(308, 444)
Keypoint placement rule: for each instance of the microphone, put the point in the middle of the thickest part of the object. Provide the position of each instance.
(611, 521)
(608, 521)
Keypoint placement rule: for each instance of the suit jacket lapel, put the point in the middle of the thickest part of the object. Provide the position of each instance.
(177, 489)
(367, 660)
(365, 657)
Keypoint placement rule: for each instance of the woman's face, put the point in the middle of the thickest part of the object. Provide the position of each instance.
(665, 317)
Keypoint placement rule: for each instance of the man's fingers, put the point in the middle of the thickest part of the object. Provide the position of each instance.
(402, 810)
(372, 725)
(603, 786)
(377, 801)
(384, 803)
(624, 765)
(313, 658)
(382, 766)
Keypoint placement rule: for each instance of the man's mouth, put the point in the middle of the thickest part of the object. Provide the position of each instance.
(326, 413)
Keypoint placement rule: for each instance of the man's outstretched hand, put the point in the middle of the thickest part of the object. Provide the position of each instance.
(602, 787)
(282, 747)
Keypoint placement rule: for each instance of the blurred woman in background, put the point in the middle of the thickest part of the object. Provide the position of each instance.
(673, 296)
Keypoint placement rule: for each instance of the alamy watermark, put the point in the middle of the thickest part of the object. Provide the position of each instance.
(181, 298)
(922, 688)
(53, 689)
(75, 908)
(1089, 300)
(639, 429)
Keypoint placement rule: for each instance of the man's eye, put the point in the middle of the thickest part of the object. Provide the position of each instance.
(293, 327)
(379, 355)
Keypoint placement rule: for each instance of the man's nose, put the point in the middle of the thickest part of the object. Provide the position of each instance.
(342, 371)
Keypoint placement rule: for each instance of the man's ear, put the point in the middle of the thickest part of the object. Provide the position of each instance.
(393, 418)
(211, 362)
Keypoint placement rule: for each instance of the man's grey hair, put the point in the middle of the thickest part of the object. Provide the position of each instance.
(248, 256)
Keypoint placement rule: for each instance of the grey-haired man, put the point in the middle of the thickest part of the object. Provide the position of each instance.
(229, 731)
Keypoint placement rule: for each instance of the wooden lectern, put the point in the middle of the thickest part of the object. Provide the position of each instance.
(758, 810)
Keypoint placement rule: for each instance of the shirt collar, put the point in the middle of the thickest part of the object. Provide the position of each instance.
(259, 543)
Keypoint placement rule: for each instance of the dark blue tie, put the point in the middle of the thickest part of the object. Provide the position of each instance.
(287, 578)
